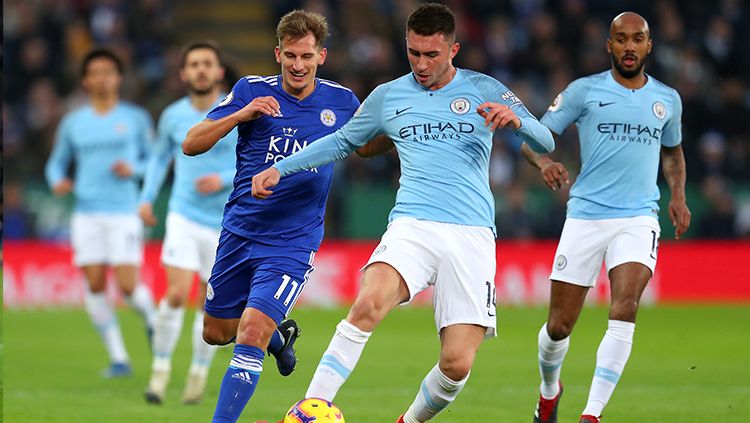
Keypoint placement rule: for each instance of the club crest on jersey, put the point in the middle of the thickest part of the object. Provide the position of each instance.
(227, 99)
(556, 103)
(659, 110)
(460, 106)
(327, 117)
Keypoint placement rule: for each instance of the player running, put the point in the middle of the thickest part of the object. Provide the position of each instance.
(441, 230)
(200, 190)
(109, 140)
(625, 119)
(266, 249)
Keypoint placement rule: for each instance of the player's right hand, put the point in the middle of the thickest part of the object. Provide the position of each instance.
(146, 212)
(259, 106)
(264, 180)
(63, 187)
(555, 175)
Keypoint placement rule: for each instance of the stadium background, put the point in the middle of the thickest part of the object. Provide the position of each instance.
(535, 47)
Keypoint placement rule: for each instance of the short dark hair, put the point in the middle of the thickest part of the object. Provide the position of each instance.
(195, 45)
(99, 53)
(297, 23)
(432, 18)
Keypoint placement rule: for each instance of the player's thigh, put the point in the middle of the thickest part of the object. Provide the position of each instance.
(124, 235)
(465, 283)
(280, 275)
(411, 247)
(88, 239)
(636, 240)
(580, 252)
(181, 248)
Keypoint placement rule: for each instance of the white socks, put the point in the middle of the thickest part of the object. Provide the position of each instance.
(104, 319)
(143, 303)
(338, 361)
(203, 353)
(611, 358)
(436, 392)
(166, 333)
(551, 356)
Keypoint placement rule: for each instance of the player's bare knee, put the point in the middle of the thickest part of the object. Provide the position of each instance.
(367, 311)
(175, 301)
(214, 335)
(456, 367)
(624, 310)
(559, 329)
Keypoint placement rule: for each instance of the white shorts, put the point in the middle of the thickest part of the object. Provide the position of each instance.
(458, 260)
(585, 243)
(100, 238)
(189, 245)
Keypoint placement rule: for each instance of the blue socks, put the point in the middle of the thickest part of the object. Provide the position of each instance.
(276, 343)
(239, 383)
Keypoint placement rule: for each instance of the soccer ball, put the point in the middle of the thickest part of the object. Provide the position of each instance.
(314, 410)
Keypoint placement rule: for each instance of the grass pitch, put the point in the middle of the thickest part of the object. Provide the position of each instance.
(689, 364)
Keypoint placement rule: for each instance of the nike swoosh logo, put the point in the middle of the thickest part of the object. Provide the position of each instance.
(606, 104)
(290, 334)
(398, 112)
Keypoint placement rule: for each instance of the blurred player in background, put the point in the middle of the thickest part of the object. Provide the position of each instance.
(200, 191)
(266, 249)
(441, 231)
(108, 139)
(625, 118)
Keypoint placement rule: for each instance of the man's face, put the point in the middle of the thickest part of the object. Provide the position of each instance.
(201, 71)
(430, 58)
(299, 61)
(629, 45)
(102, 79)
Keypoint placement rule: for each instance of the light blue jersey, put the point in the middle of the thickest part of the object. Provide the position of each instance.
(95, 142)
(174, 123)
(442, 142)
(621, 132)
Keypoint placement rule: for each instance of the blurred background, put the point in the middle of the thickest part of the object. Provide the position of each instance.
(535, 47)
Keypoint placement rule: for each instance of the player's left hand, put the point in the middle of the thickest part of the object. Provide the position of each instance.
(679, 213)
(264, 180)
(122, 169)
(208, 184)
(498, 116)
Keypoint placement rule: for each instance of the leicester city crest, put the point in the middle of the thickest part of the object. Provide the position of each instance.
(327, 117)
(659, 110)
(460, 106)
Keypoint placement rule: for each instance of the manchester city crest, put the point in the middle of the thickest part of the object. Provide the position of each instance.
(460, 106)
(659, 110)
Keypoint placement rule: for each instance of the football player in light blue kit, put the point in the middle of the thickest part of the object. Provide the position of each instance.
(201, 187)
(109, 140)
(441, 231)
(625, 120)
(266, 249)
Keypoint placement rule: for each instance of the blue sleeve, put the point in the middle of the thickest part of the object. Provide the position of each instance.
(567, 106)
(672, 133)
(158, 162)
(227, 177)
(238, 98)
(363, 126)
(145, 143)
(61, 156)
(533, 133)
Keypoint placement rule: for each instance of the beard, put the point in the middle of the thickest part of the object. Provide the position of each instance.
(200, 90)
(627, 73)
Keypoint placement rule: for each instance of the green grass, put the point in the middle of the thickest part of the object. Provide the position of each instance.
(689, 364)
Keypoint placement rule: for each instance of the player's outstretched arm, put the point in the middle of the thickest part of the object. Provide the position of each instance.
(554, 173)
(532, 132)
(204, 135)
(377, 146)
(673, 166)
(267, 179)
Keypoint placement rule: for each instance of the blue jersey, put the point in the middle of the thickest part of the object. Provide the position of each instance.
(95, 142)
(295, 213)
(621, 132)
(442, 142)
(174, 123)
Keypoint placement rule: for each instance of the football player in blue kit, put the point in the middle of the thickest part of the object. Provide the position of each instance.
(626, 119)
(266, 249)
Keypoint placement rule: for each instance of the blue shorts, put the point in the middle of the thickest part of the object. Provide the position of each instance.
(250, 274)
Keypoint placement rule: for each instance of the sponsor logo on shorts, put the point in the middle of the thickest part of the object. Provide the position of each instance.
(561, 262)
(209, 292)
(379, 250)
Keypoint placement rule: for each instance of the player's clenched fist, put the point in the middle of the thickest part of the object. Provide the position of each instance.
(498, 116)
(264, 180)
(259, 106)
